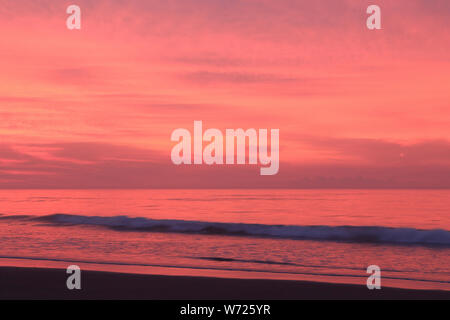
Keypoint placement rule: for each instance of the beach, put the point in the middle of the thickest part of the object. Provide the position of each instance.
(250, 150)
(319, 236)
(42, 283)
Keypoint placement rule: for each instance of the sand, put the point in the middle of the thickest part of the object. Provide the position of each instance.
(33, 283)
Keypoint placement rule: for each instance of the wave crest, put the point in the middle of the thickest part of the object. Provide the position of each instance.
(371, 234)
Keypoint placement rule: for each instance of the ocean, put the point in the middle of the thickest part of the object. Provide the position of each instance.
(317, 235)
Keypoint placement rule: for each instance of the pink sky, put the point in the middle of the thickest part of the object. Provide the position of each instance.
(96, 107)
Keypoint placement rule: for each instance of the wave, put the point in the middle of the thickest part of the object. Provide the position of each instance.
(331, 273)
(367, 234)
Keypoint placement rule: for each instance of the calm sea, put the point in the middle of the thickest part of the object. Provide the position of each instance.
(319, 235)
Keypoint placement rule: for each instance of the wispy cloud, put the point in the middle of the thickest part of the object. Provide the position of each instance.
(96, 107)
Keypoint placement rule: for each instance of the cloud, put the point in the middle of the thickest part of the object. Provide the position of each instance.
(379, 152)
(114, 166)
(82, 151)
(139, 69)
(236, 77)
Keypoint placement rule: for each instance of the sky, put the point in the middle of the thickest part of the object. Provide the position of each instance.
(95, 108)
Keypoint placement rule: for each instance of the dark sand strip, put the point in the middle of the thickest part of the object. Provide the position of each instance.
(33, 283)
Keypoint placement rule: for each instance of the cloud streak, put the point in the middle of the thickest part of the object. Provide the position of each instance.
(96, 107)
(95, 165)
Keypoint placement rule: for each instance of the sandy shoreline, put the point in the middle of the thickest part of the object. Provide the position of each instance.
(34, 283)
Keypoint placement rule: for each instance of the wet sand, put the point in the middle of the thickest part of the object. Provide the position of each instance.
(34, 283)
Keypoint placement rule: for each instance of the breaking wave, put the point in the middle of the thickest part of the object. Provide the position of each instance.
(371, 234)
